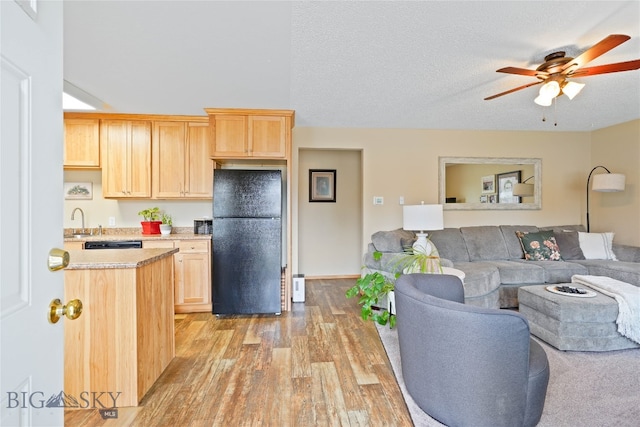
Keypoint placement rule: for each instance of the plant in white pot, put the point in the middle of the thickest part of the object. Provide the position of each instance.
(167, 224)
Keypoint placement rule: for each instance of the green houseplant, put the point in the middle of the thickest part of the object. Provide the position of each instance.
(373, 286)
(151, 220)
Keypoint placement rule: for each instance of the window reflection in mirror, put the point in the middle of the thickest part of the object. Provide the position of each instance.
(479, 182)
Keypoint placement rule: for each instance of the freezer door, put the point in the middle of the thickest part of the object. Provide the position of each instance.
(241, 193)
(246, 265)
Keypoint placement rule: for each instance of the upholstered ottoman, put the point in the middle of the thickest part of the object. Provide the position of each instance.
(572, 323)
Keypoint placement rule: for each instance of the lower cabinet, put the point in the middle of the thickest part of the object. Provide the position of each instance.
(192, 273)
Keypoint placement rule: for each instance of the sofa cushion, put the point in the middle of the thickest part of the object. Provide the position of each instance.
(628, 272)
(540, 246)
(484, 243)
(450, 244)
(392, 241)
(519, 272)
(512, 241)
(558, 272)
(597, 245)
(481, 278)
(569, 245)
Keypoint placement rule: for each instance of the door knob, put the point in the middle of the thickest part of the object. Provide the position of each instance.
(72, 310)
(58, 259)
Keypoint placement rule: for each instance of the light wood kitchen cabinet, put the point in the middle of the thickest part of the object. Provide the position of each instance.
(181, 165)
(126, 158)
(81, 143)
(192, 269)
(250, 133)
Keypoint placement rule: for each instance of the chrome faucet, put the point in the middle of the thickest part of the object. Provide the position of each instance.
(81, 212)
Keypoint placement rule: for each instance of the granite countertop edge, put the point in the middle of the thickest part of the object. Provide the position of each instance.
(138, 236)
(116, 258)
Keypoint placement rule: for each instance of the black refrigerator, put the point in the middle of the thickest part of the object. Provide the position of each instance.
(247, 241)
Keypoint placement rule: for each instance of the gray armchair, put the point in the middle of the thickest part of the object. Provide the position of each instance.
(467, 365)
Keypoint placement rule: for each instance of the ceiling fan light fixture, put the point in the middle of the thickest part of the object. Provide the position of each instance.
(550, 89)
(543, 101)
(571, 89)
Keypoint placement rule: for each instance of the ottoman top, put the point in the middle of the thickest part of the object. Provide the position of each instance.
(566, 308)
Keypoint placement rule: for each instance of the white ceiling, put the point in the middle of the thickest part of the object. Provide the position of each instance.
(389, 64)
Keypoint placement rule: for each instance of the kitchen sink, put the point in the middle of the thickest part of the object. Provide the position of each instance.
(77, 235)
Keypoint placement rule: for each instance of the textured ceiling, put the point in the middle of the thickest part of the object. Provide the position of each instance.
(390, 64)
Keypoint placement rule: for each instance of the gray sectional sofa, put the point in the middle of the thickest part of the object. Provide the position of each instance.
(493, 261)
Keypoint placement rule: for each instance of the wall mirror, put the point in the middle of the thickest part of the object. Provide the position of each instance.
(487, 183)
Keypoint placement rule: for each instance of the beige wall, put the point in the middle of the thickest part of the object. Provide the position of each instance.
(618, 149)
(98, 210)
(404, 162)
(330, 234)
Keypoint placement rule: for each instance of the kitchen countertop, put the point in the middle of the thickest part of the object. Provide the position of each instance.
(139, 236)
(116, 258)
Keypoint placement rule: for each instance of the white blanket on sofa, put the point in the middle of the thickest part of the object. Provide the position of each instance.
(627, 296)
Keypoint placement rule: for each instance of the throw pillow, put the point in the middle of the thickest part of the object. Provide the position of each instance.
(540, 246)
(569, 245)
(597, 245)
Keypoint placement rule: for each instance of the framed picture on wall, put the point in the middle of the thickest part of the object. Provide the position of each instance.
(488, 184)
(78, 190)
(322, 185)
(506, 181)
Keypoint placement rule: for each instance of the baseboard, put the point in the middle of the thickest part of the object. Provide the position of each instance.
(347, 276)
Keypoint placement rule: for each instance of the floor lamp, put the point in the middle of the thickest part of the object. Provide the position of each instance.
(604, 182)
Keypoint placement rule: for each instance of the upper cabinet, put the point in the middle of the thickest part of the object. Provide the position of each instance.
(239, 133)
(181, 165)
(81, 143)
(126, 158)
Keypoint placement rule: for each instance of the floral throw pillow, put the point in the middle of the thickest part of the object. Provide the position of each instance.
(540, 246)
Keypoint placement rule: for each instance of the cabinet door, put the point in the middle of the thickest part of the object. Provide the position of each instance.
(115, 147)
(229, 136)
(82, 143)
(168, 159)
(193, 276)
(126, 155)
(139, 167)
(267, 136)
(199, 167)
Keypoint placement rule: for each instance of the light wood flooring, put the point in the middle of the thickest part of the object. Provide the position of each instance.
(317, 365)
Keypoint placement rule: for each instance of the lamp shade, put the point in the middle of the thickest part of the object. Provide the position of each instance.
(524, 190)
(608, 182)
(422, 217)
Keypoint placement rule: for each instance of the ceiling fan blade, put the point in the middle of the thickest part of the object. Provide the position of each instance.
(602, 47)
(608, 68)
(513, 90)
(521, 71)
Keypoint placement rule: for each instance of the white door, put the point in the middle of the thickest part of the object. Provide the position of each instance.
(31, 201)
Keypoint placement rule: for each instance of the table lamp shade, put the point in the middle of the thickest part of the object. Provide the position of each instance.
(608, 182)
(422, 217)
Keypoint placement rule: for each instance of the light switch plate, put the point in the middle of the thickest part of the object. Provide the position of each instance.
(378, 200)
(112, 221)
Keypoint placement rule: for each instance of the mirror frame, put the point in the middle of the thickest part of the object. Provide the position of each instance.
(537, 183)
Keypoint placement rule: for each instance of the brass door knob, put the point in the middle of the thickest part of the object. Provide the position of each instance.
(58, 259)
(72, 310)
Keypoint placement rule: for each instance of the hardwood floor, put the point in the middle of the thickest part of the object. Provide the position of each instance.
(317, 365)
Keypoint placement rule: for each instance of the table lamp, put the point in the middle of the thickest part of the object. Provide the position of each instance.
(420, 218)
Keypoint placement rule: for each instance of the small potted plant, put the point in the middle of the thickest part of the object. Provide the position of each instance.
(371, 288)
(167, 223)
(151, 220)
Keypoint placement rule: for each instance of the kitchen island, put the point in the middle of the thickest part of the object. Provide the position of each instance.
(124, 338)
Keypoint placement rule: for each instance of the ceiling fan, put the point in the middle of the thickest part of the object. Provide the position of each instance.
(555, 72)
